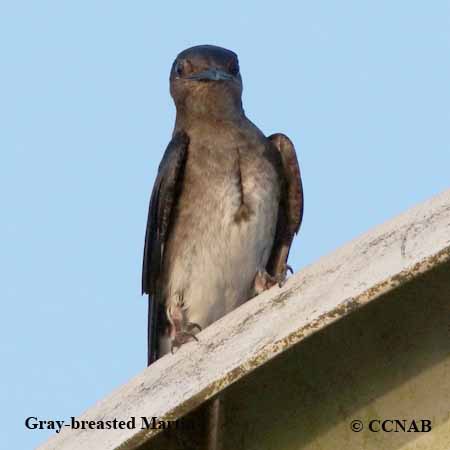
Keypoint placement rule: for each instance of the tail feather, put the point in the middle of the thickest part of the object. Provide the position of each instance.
(152, 331)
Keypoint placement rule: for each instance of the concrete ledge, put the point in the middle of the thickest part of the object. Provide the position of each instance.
(356, 274)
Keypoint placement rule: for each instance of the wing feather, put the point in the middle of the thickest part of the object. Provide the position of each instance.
(291, 204)
(162, 206)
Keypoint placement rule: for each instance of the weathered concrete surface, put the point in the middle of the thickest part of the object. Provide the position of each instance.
(362, 271)
(388, 360)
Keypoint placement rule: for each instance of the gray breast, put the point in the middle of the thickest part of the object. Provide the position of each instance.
(214, 252)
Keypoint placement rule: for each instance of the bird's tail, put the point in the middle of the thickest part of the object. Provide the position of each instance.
(152, 330)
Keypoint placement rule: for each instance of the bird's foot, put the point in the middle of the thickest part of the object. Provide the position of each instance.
(264, 281)
(180, 336)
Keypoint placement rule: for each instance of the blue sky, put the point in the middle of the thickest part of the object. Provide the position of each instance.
(362, 88)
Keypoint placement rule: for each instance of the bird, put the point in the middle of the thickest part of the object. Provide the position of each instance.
(225, 206)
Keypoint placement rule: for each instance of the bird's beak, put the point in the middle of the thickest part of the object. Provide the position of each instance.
(211, 75)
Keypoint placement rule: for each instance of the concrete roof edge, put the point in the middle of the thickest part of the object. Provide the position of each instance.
(354, 275)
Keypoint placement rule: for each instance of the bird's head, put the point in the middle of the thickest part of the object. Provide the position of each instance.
(205, 81)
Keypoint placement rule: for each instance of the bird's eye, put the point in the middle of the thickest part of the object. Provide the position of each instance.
(183, 68)
(179, 68)
(233, 68)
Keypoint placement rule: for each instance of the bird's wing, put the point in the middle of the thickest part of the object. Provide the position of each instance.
(291, 204)
(162, 205)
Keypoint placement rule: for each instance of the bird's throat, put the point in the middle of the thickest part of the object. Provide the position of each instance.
(209, 107)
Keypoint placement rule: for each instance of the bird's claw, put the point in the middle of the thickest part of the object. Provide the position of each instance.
(192, 326)
(264, 281)
(282, 277)
(183, 336)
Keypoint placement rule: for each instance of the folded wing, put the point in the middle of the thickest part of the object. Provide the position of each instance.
(291, 205)
(160, 214)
